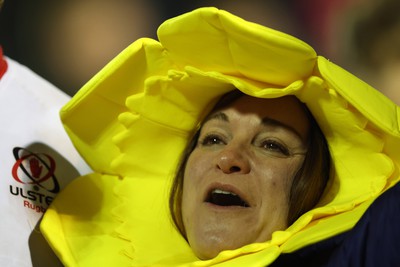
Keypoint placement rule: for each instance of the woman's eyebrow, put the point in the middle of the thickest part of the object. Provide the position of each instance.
(265, 121)
(275, 123)
(217, 116)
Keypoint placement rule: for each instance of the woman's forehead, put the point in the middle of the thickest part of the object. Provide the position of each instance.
(286, 110)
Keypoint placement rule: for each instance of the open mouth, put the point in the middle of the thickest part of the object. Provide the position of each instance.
(224, 198)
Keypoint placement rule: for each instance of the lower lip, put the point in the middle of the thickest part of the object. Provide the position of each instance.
(226, 208)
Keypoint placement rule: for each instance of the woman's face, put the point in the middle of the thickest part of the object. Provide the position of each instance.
(238, 177)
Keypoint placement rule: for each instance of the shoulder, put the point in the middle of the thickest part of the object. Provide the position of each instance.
(374, 240)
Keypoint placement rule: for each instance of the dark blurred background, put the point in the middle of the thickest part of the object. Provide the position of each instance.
(67, 42)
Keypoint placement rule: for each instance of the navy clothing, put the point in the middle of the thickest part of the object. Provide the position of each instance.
(374, 240)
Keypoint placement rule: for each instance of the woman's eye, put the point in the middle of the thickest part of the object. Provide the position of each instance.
(275, 147)
(212, 139)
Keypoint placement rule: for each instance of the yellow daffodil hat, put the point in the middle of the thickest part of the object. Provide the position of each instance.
(133, 119)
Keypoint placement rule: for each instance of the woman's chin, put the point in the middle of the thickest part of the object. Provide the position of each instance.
(208, 247)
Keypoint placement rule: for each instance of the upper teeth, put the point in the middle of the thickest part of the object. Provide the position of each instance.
(219, 191)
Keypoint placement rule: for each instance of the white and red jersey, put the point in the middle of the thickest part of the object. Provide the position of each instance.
(37, 160)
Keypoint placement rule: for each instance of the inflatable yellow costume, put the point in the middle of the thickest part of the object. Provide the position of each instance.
(132, 121)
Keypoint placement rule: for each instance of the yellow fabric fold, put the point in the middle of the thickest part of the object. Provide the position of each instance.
(91, 199)
(133, 119)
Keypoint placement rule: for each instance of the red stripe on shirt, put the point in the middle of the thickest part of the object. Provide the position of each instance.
(3, 63)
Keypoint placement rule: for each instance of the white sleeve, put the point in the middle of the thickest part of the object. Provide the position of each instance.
(37, 160)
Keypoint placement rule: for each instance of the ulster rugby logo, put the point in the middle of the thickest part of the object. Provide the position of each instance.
(35, 169)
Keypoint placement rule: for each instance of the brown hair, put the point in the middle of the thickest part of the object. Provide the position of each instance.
(308, 183)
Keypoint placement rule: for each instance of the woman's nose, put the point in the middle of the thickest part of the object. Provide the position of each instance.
(233, 160)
